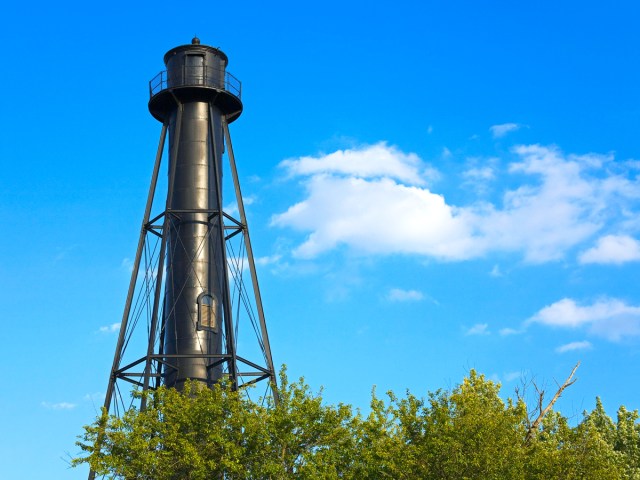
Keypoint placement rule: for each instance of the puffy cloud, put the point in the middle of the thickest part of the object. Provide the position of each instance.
(505, 332)
(544, 219)
(127, 264)
(478, 329)
(479, 177)
(374, 161)
(511, 376)
(114, 327)
(374, 200)
(377, 217)
(610, 318)
(615, 249)
(572, 346)
(268, 260)
(59, 405)
(479, 173)
(499, 131)
(399, 295)
(496, 272)
(232, 207)
(94, 397)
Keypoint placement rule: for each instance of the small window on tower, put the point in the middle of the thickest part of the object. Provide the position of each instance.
(194, 69)
(207, 312)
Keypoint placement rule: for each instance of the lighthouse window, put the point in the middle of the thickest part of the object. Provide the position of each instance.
(207, 312)
(194, 69)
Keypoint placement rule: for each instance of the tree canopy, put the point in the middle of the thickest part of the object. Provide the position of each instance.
(468, 432)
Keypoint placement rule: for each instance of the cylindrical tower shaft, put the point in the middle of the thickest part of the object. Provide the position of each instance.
(195, 257)
(194, 97)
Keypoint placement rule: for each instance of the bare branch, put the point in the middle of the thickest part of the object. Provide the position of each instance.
(533, 428)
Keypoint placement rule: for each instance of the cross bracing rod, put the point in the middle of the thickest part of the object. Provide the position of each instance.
(252, 267)
(163, 247)
(233, 368)
(136, 267)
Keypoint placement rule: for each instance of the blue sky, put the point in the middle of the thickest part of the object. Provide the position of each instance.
(431, 187)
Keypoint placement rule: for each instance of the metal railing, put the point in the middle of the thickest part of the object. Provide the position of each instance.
(195, 76)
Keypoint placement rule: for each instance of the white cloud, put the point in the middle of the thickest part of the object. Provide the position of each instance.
(94, 397)
(609, 318)
(268, 260)
(431, 175)
(59, 405)
(511, 376)
(114, 327)
(478, 329)
(479, 173)
(635, 164)
(376, 217)
(499, 131)
(495, 271)
(616, 249)
(505, 332)
(232, 207)
(570, 347)
(545, 218)
(127, 264)
(384, 207)
(399, 295)
(479, 178)
(372, 161)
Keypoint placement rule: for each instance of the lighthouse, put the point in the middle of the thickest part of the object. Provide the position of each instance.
(193, 309)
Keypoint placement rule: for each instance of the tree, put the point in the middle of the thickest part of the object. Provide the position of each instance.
(468, 432)
(205, 433)
(627, 442)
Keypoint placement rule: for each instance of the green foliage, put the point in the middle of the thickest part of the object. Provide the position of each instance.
(469, 432)
(627, 442)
